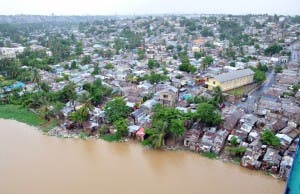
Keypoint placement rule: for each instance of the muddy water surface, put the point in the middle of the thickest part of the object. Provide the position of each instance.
(32, 163)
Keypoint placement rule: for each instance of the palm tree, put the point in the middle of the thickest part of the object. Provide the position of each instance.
(218, 95)
(82, 114)
(157, 139)
(35, 76)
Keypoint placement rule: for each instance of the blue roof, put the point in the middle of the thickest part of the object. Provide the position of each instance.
(187, 96)
(14, 86)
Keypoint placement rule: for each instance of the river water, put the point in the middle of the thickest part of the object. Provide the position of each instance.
(32, 163)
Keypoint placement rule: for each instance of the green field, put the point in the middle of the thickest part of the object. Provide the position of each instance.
(20, 114)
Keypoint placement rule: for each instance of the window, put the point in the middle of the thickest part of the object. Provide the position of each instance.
(214, 82)
(165, 96)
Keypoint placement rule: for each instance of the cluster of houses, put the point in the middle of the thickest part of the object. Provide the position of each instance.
(274, 111)
(277, 109)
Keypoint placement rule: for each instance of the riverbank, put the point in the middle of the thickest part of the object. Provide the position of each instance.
(24, 115)
(35, 163)
(52, 129)
(20, 114)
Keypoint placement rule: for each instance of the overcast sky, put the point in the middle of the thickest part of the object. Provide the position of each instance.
(112, 7)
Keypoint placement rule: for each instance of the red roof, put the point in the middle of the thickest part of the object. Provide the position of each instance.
(140, 132)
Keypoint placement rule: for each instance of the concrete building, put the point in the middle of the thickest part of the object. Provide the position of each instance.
(6, 52)
(168, 96)
(231, 80)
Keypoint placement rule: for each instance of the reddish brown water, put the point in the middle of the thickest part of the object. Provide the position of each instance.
(32, 163)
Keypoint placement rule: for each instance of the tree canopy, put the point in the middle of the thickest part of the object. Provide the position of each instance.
(207, 61)
(273, 49)
(166, 122)
(207, 114)
(186, 65)
(269, 138)
(154, 77)
(153, 64)
(116, 109)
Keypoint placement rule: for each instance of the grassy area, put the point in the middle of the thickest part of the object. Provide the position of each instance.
(209, 155)
(111, 138)
(20, 114)
(237, 92)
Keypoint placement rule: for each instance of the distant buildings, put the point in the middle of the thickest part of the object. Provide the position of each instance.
(6, 52)
(295, 52)
(231, 80)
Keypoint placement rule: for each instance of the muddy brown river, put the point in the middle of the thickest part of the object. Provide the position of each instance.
(33, 163)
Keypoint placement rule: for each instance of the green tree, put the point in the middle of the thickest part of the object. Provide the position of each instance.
(261, 67)
(236, 151)
(166, 122)
(121, 127)
(141, 54)
(259, 76)
(86, 59)
(82, 114)
(170, 47)
(152, 64)
(59, 47)
(269, 138)
(35, 76)
(155, 139)
(79, 48)
(97, 91)
(178, 48)
(206, 32)
(207, 61)
(234, 141)
(96, 70)
(198, 55)
(155, 77)
(68, 93)
(186, 65)
(109, 66)
(116, 109)
(207, 114)
(168, 119)
(273, 49)
(74, 65)
(44, 86)
(278, 69)
(218, 95)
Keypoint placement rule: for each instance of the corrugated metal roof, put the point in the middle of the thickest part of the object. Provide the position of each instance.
(233, 75)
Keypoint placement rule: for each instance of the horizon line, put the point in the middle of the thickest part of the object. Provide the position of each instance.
(151, 14)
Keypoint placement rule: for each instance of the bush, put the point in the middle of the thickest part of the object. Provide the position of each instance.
(236, 151)
(104, 130)
(278, 69)
(111, 137)
(259, 76)
(234, 141)
(209, 155)
(109, 66)
(121, 127)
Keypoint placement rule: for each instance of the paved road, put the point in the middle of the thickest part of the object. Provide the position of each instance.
(248, 106)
